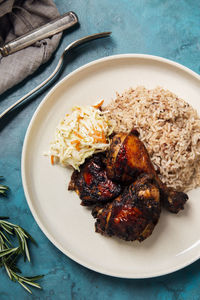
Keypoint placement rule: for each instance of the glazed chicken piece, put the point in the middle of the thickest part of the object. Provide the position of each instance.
(92, 184)
(132, 215)
(128, 158)
(172, 200)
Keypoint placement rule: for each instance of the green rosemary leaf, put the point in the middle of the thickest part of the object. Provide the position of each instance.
(32, 284)
(29, 280)
(16, 269)
(2, 243)
(23, 243)
(5, 238)
(7, 251)
(27, 251)
(21, 240)
(10, 254)
(11, 259)
(3, 188)
(34, 278)
(20, 243)
(30, 237)
(6, 229)
(8, 224)
(25, 287)
(8, 271)
(25, 280)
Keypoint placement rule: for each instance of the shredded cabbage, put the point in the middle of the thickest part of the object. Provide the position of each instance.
(79, 135)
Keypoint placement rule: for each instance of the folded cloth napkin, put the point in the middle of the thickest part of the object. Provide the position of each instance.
(16, 18)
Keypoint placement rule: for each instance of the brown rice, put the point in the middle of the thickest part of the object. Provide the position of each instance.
(168, 126)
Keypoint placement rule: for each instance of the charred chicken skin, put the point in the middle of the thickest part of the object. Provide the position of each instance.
(132, 215)
(124, 189)
(128, 158)
(92, 184)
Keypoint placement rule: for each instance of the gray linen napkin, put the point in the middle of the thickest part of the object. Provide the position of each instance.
(16, 18)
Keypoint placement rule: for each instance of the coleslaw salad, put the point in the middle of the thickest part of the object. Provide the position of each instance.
(79, 135)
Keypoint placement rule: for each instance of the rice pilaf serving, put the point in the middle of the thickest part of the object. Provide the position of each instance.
(169, 128)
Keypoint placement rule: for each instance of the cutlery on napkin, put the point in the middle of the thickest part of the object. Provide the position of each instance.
(18, 18)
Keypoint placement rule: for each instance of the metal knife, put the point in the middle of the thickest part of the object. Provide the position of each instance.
(59, 24)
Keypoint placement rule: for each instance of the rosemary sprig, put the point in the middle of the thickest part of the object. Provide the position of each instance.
(9, 254)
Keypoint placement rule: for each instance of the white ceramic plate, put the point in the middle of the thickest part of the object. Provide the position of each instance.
(175, 242)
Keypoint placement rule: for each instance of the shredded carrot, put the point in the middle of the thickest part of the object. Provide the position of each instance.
(103, 136)
(52, 159)
(77, 146)
(98, 133)
(99, 140)
(98, 136)
(78, 135)
(75, 142)
(99, 104)
(79, 118)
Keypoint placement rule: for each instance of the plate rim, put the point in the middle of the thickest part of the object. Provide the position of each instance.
(24, 151)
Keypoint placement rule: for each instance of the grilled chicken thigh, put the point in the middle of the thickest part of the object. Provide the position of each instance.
(132, 215)
(128, 158)
(124, 189)
(92, 184)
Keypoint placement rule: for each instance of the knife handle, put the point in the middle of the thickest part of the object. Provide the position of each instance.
(59, 24)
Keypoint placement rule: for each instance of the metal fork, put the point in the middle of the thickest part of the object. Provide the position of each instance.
(71, 46)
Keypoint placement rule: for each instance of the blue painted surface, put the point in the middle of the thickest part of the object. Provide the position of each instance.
(167, 28)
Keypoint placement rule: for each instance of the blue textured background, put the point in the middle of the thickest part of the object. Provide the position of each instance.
(167, 28)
